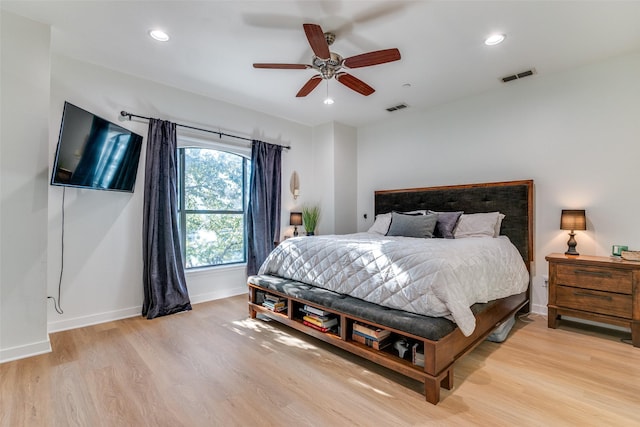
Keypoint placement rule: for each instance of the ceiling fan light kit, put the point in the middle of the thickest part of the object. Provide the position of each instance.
(328, 100)
(330, 64)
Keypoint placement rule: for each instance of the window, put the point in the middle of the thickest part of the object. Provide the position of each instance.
(213, 191)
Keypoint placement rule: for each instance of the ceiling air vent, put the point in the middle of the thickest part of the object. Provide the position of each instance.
(521, 75)
(397, 107)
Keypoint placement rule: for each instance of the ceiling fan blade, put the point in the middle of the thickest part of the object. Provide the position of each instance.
(283, 66)
(318, 43)
(372, 58)
(355, 84)
(309, 86)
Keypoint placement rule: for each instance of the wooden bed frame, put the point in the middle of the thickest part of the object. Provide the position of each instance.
(513, 198)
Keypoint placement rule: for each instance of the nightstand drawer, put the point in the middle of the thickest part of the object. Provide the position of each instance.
(594, 301)
(602, 279)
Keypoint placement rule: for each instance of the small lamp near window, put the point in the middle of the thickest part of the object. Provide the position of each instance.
(295, 219)
(572, 220)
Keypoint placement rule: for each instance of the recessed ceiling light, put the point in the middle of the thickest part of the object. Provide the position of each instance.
(159, 35)
(494, 39)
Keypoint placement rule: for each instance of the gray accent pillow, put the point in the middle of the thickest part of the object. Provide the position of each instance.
(447, 222)
(421, 226)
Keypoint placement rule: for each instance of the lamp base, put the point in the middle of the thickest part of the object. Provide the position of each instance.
(571, 250)
(295, 231)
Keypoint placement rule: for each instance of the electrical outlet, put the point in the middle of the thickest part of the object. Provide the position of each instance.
(545, 281)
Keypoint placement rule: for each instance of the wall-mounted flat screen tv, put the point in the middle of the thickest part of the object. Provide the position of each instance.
(95, 153)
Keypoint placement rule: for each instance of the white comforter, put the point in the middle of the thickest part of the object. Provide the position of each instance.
(434, 277)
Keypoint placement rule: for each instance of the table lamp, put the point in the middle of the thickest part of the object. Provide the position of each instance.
(295, 219)
(572, 220)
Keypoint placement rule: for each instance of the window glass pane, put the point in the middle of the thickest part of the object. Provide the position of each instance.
(214, 239)
(213, 180)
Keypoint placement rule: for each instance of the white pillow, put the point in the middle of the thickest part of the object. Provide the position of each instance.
(498, 224)
(478, 225)
(381, 224)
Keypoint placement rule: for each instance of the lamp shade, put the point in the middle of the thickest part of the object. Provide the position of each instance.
(295, 218)
(573, 220)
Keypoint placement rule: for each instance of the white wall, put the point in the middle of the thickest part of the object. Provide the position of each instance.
(323, 177)
(23, 186)
(334, 177)
(577, 134)
(345, 178)
(103, 230)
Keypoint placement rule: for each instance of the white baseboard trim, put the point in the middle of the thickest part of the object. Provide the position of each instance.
(539, 309)
(93, 319)
(24, 351)
(212, 296)
(34, 349)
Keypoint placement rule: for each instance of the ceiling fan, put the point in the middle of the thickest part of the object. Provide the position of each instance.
(329, 64)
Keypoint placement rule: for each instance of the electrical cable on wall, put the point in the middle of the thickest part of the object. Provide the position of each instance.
(57, 303)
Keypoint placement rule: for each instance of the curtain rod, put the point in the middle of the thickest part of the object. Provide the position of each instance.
(125, 114)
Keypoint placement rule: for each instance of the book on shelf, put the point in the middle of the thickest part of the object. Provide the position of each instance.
(372, 331)
(321, 323)
(370, 342)
(275, 304)
(273, 298)
(316, 327)
(315, 316)
(277, 307)
(417, 354)
(315, 310)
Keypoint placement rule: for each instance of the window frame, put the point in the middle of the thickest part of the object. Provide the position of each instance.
(226, 147)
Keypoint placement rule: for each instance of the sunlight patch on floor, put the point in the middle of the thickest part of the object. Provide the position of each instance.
(295, 342)
(368, 387)
(280, 336)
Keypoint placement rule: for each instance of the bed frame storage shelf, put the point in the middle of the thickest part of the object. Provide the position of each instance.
(439, 356)
(381, 357)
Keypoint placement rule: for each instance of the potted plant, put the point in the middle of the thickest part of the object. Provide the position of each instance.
(310, 217)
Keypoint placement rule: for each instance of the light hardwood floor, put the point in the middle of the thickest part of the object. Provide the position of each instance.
(215, 367)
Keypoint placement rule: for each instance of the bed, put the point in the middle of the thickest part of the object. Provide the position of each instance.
(436, 338)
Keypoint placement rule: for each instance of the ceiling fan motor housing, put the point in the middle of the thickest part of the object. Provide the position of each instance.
(328, 68)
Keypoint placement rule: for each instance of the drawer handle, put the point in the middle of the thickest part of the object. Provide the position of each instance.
(593, 273)
(584, 294)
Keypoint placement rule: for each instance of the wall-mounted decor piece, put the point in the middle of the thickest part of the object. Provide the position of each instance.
(294, 185)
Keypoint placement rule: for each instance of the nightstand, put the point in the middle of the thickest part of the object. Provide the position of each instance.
(601, 289)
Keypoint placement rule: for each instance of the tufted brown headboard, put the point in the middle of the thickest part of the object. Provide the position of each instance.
(513, 198)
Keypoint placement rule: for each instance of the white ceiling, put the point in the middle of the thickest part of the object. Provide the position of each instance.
(214, 43)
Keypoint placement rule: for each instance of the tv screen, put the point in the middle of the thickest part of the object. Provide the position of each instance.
(95, 153)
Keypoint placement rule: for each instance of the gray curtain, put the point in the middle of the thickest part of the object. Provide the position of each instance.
(263, 216)
(165, 287)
